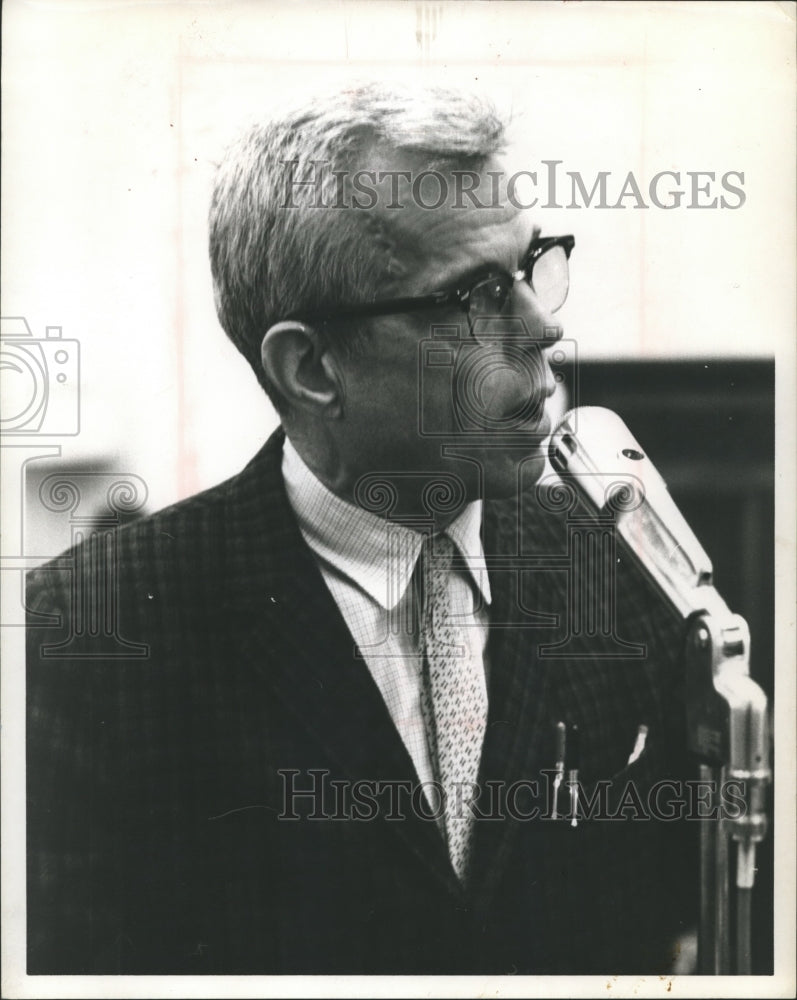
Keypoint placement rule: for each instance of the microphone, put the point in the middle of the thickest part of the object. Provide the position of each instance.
(594, 452)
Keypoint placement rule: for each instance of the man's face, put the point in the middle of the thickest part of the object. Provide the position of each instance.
(418, 392)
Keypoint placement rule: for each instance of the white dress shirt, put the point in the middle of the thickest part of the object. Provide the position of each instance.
(367, 563)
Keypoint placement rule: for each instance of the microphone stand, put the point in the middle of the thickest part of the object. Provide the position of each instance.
(727, 729)
(726, 711)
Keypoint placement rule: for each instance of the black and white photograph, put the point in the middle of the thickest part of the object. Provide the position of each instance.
(398, 491)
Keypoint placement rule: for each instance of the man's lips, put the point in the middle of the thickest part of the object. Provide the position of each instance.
(538, 422)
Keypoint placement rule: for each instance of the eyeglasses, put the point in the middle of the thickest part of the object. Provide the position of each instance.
(545, 270)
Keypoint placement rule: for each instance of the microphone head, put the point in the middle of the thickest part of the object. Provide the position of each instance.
(596, 435)
(596, 455)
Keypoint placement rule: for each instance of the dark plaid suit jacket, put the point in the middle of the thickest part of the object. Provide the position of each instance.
(158, 837)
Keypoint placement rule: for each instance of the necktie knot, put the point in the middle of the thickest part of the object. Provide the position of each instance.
(437, 554)
(434, 565)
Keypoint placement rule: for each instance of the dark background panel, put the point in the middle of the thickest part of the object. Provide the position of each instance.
(709, 428)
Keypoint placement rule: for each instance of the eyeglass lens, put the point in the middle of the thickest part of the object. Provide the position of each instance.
(489, 297)
(550, 279)
(549, 282)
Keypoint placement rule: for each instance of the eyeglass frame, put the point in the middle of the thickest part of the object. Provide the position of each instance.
(447, 297)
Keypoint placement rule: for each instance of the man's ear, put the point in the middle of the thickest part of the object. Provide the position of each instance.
(302, 369)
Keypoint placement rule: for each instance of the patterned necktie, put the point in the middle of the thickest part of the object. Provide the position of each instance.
(454, 699)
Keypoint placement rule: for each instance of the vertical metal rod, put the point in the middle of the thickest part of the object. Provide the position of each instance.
(744, 899)
(714, 937)
(707, 932)
(722, 928)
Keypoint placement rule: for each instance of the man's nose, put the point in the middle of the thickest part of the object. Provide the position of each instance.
(541, 324)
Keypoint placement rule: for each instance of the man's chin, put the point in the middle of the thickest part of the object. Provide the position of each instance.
(497, 469)
(508, 473)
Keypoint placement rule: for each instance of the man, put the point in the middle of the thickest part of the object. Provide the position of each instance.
(338, 753)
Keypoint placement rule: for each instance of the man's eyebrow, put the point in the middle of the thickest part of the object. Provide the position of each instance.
(474, 272)
(488, 266)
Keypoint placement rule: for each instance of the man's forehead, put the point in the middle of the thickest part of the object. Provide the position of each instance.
(450, 221)
(439, 249)
(409, 180)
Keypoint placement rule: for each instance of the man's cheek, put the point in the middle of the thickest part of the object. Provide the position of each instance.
(512, 391)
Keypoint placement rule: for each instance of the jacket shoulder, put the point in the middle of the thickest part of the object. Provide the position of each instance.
(176, 557)
(172, 537)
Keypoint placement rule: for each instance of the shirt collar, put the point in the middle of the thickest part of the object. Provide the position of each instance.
(377, 554)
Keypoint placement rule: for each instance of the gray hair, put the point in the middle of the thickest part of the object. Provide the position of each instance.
(270, 261)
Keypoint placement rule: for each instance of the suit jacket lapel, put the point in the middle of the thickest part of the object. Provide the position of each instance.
(519, 685)
(289, 628)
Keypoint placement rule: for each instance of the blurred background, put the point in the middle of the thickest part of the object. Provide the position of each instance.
(115, 115)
